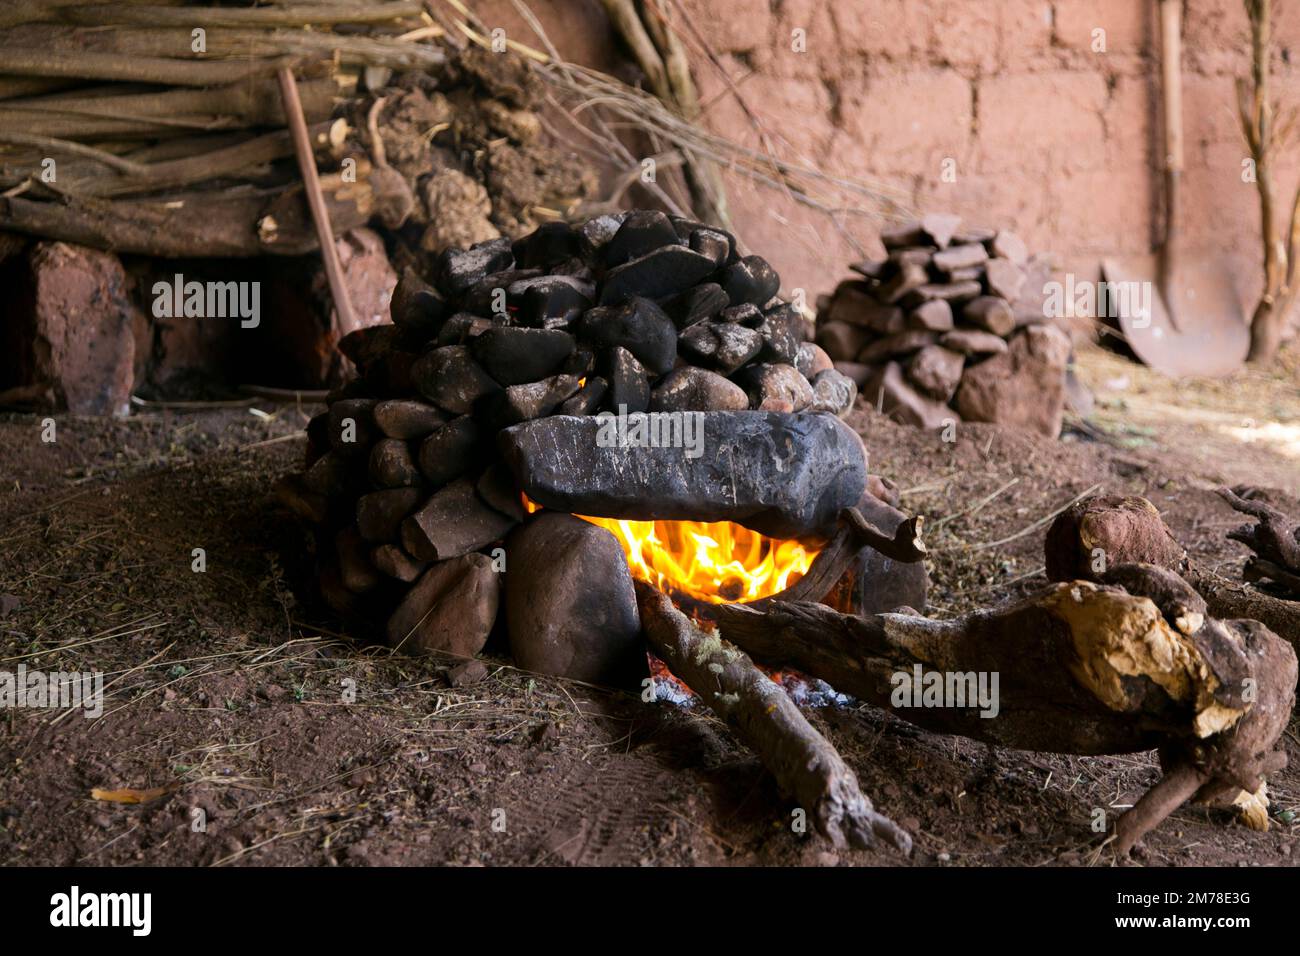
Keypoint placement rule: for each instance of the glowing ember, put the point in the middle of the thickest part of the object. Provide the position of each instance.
(719, 562)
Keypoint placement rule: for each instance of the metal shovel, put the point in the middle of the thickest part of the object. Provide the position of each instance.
(1187, 319)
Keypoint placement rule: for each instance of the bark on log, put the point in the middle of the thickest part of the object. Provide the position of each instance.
(199, 225)
(1233, 599)
(141, 69)
(289, 14)
(222, 42)
(1082, 668)
(235, 106)
(806, 766)
(1131, 529)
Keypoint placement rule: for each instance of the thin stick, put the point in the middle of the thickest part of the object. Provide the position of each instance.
(1037, 524)
(975, 507)
(293, 15)
(805, 764)
(311, 183)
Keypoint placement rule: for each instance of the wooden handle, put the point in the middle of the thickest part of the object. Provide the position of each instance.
(1171, 62)
(1171, 39)
(316, 202)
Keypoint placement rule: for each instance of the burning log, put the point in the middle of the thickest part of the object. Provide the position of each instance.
(1081, 668)
(761, 714)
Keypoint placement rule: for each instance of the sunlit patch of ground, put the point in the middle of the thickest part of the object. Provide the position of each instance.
(1247, 423)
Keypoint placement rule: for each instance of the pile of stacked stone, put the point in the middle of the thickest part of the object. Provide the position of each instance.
(950, 325)
(406, 478)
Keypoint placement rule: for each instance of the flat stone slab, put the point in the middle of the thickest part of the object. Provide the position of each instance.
(783, 475)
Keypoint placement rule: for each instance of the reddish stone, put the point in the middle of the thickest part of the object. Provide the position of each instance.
(450, 610)
(888, 391)
(1023, 387)
(936, 371)
(72, 329)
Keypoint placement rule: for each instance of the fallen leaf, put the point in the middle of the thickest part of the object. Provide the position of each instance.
(131, 795)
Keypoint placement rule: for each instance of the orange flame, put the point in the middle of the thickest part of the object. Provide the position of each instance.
(718, 562)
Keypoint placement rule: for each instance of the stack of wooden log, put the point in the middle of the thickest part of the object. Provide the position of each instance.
(158, 131)
(159, 128)
(950, 326)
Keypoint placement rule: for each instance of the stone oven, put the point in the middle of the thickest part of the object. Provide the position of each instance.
(547, 419)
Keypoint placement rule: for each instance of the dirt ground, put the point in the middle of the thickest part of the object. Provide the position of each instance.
(232, 690)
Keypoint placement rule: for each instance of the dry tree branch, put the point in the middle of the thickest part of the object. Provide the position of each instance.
(597, 92)
(1256, 113)
(805, 764)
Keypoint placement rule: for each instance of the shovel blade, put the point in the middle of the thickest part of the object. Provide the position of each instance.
(1202, 332)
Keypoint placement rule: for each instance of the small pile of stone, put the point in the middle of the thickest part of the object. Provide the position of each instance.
(948, 326)
(491, 369)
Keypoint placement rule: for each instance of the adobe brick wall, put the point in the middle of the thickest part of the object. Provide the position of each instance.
(1049, 137)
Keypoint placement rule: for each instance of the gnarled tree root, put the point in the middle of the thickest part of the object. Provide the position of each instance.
(1275, 539)
(1082, 667)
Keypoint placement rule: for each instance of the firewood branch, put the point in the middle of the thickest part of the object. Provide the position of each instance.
(804, 763)
(1081, 668)
(1275, 538)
